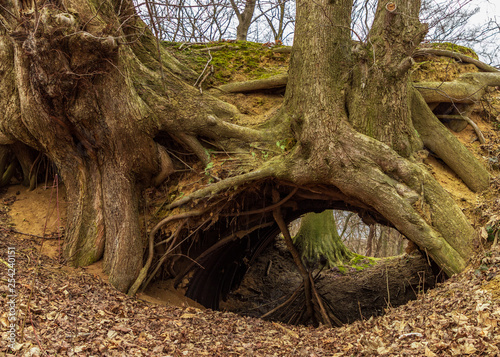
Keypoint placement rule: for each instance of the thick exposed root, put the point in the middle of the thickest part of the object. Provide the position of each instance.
(439, 139)
(277, 81)
(468, 88)
(458, 56)
(269, 170)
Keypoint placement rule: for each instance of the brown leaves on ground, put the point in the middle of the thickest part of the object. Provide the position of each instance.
(74, 313)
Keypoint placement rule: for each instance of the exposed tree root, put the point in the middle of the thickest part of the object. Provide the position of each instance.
(195, 146)
(142, 274)
(267, 170)
(468, 88)
(439, 139)
(323, 313)
(24, 157)
(298, 262)
(277, 81)
(458, 56)
(266, 209)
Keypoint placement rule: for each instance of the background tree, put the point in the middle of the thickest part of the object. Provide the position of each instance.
(318, 240)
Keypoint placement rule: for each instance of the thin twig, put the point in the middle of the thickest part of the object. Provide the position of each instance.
(202, 72)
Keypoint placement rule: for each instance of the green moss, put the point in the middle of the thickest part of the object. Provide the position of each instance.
(237, 61)
(455, 48)
(342, 269)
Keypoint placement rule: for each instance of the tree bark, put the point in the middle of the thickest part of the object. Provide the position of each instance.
(318, 239)
(329, 150)
(244, 18)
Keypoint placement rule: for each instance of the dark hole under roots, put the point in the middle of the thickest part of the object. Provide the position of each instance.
(351, 294)
(234, 259)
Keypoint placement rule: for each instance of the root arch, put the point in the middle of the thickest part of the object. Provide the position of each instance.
(234, 227)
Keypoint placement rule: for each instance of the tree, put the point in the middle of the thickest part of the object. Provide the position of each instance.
(318, 239)
(244, 18)
(90, 87)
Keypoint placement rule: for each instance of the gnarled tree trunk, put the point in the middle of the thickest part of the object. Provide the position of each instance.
(351, 108)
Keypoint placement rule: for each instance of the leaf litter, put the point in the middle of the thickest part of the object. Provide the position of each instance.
(75, 313)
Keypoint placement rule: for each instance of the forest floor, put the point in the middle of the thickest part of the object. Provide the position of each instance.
(62, 311)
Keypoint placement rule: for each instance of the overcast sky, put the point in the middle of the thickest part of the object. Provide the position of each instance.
(489, 10)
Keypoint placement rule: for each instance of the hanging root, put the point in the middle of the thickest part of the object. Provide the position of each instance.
(315, 308)
(142, 274)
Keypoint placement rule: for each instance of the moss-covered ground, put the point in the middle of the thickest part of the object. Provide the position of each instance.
(231, 60)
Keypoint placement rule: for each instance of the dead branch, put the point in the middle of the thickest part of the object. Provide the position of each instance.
(216, 48)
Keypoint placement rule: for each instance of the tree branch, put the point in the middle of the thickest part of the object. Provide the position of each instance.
(458, 56)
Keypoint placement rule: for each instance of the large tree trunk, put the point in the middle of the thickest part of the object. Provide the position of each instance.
(72, 89)
(244, 18)
(334, 90)
(95, 141)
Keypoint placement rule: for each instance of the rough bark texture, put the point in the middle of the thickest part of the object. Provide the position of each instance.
(318, 239)
(358, 165)
(441, 141)
(85, 88)
(244, 18)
